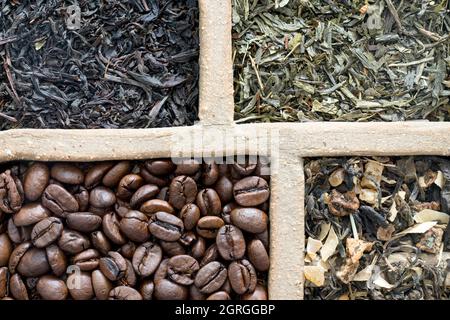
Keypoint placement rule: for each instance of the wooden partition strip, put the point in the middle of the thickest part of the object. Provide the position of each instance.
(216, 67)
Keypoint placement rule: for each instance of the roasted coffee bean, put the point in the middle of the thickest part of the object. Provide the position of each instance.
(260, 293)
(59, 201)
(242, 276)
(96, 173)
(143, 194)
(159, 167)
(165, 226)
(46, 231)
(187, 167)
(230, 242)
(182, 190)
(101, 212)
(35, 181)
(209, 203)
(198, 248)
(4, 282)
(130, 277)
(128, 185)
(52, 288)
(18, 234)
(30, 214)
(87, 260)
(163, 194)
(195, 294)
(113, 266)
(17, 288)
(226, 287)
(226, 211)
(219, 295)
(67, 173)
(83, 221)
(73, 242)
(11, 192)
(135, 226)
(33, 263)
(6, 248)
(153, 206)
(161, 271)
(190, 214)
(224, 188)
(80, 285)
(17, 254)
(116, 173)
(56, 259)
(245, 169)
(168, 290)
(173, 248)
(249, 219)
(101, 285)
(128, 250)
(111, 228)
(147, 258)
(210, 173)
(153, 179)
(187, 238)
(100, 242)
(147, 288)
(208, 226)
(211, 277)
(211, 254)
(258, 256)
(251, 191)
(264, 238)
(101, 197)
(124, 293)
(81, 194)
(181, 269)
(122, 207)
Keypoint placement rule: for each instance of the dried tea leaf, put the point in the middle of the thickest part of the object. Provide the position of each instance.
(364, 274)
(369, 196)
(330, 245)
(337, 177)
(324, 230)
(382, 283)
(312, 247)
(315, 274)
(372, 175)
(418, 228)
(431, 215)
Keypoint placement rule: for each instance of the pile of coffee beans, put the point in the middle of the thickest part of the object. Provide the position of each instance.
(134, 230)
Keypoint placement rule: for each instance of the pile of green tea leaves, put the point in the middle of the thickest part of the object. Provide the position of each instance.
(377, 228)
(349, 60)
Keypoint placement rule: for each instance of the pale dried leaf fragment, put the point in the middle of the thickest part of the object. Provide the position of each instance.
(382, 283)
(372, 175)
(368, 195)
(364, 274)
(440, 180)
(431, 215)
(337, 177)
(312, 247)
(418, 228)
(315, 274)
(431, 241)
(385, 234)
(324, 230)
(329, 248)
(355, 249)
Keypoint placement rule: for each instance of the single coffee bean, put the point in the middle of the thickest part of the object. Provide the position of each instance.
(245, 169)
(230, 242)
(258, 256)
(128, 185)
(101, 285)
(211, 254)
(87, 260)
(159, 167)
(208, 226)
(124, 293)
(187, 167)
(56, 259)
(224, 188)
(59, 201)
(101, 197)
(67, 173)
(161, 271)
(260, 293)
(168, 290)
(208, 202)
(182, 190)
(151, 207)
(111, 228)
(242, 276)
(146, 289)
(81, 194)
(17, 288)
(95, 174)
(166, 226)
(35, 181)
(226, 211)
(116, 173)
(130, 277)
(190, 214)
(163, 194)
(219, 295)
(30, 214)
(181, 269)
(210, 173)
(33, 263)
(143, 194)
(121, 207)
(249, 219)
(6, 248)
(17, 254)
(160, 181)
(83, 221)
(128, 250)
(80, 286)
(135, 226)
(211, 277)
(198, 248)
(52, 288)
(11, 192)
(188, 238)
(264, 238)
(18, 234)
(46, 231)
(100, 242)
(4, 282)
(251, 191)
(172, 248)
(195, 294)
(73, 242)
(113, 266)
(147, 258)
